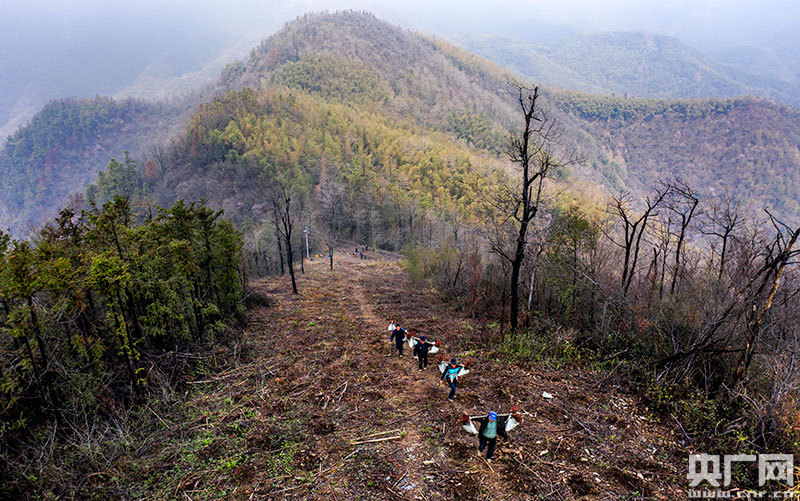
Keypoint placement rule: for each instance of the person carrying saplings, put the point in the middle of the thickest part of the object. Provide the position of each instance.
(450, 375)
(491, 426)
(421, 352)
(399, 336)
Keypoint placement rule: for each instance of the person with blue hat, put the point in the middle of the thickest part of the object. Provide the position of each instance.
(491, 426)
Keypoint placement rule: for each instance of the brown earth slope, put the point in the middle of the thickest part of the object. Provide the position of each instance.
(322, 372)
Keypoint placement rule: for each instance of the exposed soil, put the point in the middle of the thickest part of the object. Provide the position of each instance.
(322, 372)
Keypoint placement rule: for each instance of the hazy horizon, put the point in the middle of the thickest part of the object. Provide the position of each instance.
(51, 49)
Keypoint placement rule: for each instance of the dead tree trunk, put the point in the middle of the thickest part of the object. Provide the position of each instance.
(531, 151)
(278, 240)
(282, 205)
(633, 229)
(784, 255)
(685, 210)
(724, 219)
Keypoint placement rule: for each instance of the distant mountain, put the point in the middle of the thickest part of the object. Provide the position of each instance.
(54, 50)
(406, 120)
(745, 146)
(50, 52)
(634, 64)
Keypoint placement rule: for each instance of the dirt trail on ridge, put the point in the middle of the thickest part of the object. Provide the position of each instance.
(324, 373)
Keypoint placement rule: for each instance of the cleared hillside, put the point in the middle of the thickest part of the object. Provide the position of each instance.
(316, 373)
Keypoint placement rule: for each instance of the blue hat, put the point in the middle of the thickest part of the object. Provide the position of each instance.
(422, 338)
(492, 416)
(453, 360)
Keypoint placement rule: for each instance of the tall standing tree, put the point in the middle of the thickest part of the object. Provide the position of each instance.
(682, 203)
(532, 151)
(282, 207)
(724, 217)
(331, 214)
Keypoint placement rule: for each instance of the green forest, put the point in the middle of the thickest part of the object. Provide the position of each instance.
(97, 308)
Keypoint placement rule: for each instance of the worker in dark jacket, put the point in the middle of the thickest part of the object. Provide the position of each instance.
(450, 376)
(421, 352)
(399, 336)
(491, 426)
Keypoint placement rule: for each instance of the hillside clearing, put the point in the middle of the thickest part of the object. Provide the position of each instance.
(321, 373)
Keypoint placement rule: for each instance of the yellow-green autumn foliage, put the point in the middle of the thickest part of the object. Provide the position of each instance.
(245, 141)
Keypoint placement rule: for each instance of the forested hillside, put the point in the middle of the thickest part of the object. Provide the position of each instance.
(384, 174)
(64, 146)
(356, 61)
(745, 147)
(424, 78)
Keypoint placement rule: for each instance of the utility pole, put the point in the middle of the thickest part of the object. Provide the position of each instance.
(530, 291)
(306, 230)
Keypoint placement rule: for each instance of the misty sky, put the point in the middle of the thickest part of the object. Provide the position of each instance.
(80, 48)
(721, 22)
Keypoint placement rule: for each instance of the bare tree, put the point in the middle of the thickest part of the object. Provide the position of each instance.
(532, 152)
(747, 306)
(683, 203)
(780, 253)
(724, 217)
(277, 223)
(282, 208)
(330, 215)
(633, 230)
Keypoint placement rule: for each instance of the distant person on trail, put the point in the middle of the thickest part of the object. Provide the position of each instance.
(450, 374)
(421, 352)
(361, 255)
(399, 337)
(491, 426)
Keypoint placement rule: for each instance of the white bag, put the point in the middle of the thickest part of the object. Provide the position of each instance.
(511, 423)
(442, 366)
(434, 349)
(411, 342)
(470, 428)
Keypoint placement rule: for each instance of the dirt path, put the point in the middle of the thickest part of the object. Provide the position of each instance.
(321, 371)
(416, 386)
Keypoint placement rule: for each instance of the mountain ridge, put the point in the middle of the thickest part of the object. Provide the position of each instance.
(638, 64)
(428, 83)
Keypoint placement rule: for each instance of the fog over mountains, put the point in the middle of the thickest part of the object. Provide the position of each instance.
(51, 49)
